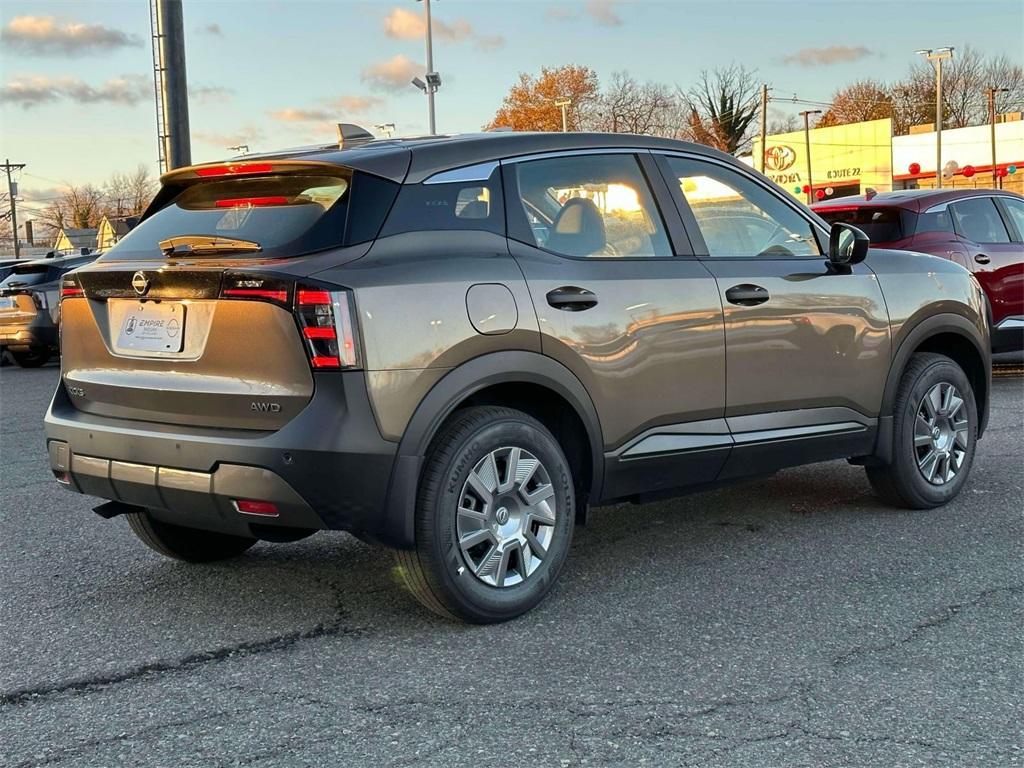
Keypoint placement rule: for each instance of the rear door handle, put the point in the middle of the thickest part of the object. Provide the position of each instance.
(747, 295)
(981, 258)
(571, 298)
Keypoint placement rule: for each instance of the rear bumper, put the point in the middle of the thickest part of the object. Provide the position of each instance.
(23, 336)
(327, 468)
(1008, 335)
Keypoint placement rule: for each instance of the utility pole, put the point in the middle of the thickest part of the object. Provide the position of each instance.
(937, 55)
(172, 98)
(806, 114)
(764, 124)
(564, 104)
(433, 78)
(992, 91)
(12, 193)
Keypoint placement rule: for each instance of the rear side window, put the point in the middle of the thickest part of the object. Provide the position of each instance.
(591, 206)
(934, 221)
(882, 225)
(454, 205)
(978, 220)
(286, 214)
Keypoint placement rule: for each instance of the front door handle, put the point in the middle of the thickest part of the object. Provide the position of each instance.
(981, 258)
(747, 295)
(571, 298)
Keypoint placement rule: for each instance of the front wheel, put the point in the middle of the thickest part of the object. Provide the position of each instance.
(189, 544)
(494, 517)
(935, 426)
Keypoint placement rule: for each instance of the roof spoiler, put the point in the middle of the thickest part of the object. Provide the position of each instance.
(351, 135)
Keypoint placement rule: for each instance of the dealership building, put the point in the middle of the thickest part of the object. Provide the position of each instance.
(851, 159)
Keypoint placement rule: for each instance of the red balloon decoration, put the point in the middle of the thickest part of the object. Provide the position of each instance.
(968, 171)
(915, 168)
(820, 194)
(1001, 173)
(806, 188)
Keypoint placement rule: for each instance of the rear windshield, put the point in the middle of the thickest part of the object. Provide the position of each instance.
(882, 225)
(285, 214)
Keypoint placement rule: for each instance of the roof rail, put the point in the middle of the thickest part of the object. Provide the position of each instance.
(351, 135)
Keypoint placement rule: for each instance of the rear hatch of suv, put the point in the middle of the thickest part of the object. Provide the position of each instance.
(203, 315)
(885, 225)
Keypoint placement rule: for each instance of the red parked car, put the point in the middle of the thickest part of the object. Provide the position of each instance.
(981, 229)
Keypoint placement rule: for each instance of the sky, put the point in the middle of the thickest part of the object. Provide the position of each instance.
(76, 94)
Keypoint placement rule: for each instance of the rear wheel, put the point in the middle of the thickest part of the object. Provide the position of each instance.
(494, 517)
(935, 426)
(33, 357)
(189, 544)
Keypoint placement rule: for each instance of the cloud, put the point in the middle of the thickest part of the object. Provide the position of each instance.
(290, 115)
(247, 134)
(211, 29)
(48, 36)
(357, 104)
(833, 54)
(603, 12)
(35, 90)
(403, 24)
(392, 74)
(210, 94)
(489, 43)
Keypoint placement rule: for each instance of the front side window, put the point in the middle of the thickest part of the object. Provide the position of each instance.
(977, 219)
(739, 218)
(591, 206)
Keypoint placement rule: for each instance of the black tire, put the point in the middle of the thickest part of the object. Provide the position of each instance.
(901, 483)
(189, 544)
(436, 571)
(33, 357)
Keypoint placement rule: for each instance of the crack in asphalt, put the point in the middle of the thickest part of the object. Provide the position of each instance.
(334, 628)
(941, 618)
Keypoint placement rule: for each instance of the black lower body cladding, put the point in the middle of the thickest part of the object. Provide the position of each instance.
(330, 461)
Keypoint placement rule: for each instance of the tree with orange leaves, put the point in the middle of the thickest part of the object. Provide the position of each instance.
(530, 103)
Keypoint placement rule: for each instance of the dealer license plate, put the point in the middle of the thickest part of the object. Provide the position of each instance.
(153, 327)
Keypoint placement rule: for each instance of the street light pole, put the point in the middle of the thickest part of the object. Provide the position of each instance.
(937, 55)
(806, 114)
(564, 104)
(430, 68)
(992, 91)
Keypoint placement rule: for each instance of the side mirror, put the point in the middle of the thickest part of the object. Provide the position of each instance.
(847, 244)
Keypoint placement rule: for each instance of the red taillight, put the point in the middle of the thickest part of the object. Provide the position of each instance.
(263, 508)
(237, 169)
(253, 202)
(310, 298)
(319, 332)
(71, 292)
(325, 361)
(255, 293)
(325, 318)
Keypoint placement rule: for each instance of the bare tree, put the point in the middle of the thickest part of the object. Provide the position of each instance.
(722, 107)
(128, 194)
(857, 102)
(629, 106)
(783, 123)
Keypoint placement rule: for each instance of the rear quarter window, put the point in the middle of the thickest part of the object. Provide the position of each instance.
(460, 205)
(882, 225)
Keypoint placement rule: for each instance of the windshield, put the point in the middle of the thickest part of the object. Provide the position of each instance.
(881, 225)
(284, 215)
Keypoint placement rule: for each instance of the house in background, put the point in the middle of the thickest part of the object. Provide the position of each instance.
(70, 240)
(113, 229)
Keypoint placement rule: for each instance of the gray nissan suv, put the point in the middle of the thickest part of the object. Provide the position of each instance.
(456, 346)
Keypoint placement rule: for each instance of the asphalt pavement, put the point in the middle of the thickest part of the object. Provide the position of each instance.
(793, 621)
